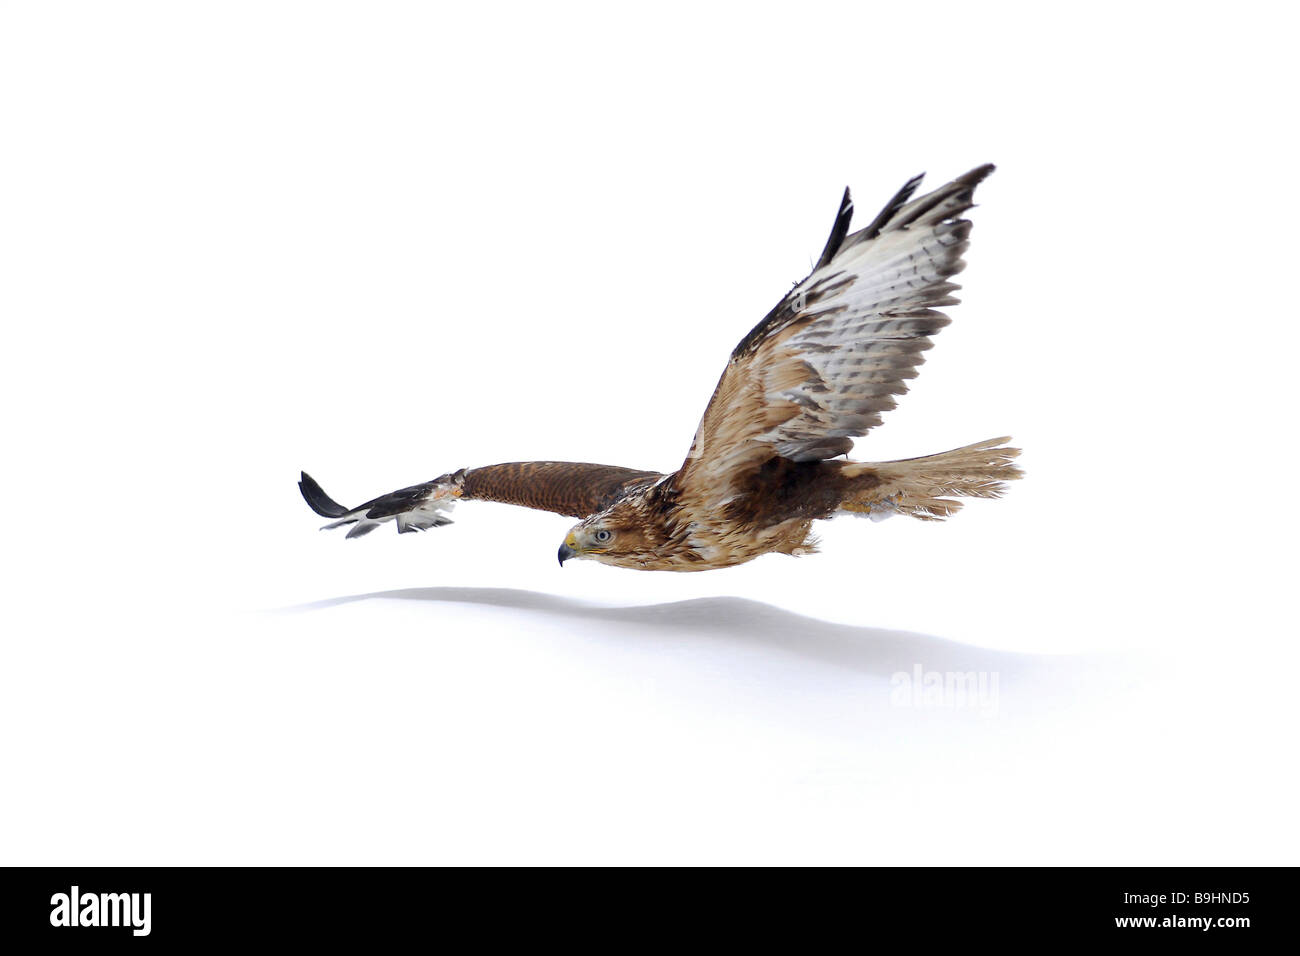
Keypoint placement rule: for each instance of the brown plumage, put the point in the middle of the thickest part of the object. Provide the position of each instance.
(576, 489)
(816, 372)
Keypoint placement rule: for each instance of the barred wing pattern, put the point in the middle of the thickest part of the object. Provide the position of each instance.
(824, 365)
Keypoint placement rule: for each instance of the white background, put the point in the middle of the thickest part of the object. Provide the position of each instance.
(384, 241)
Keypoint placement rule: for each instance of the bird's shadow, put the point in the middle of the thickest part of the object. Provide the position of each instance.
(741, 621)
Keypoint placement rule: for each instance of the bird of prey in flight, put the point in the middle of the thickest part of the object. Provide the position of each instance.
(814, 374)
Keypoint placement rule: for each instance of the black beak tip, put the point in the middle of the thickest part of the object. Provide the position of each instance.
(565, 553)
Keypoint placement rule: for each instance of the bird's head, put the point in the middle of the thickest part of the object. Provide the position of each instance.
(615, 536)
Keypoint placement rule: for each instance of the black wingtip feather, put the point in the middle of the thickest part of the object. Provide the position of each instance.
(898, 202)
(838, 231)
(900, 214)
(399, 501)
(315, 496)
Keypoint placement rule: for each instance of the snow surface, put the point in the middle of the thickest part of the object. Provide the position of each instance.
(248, 239)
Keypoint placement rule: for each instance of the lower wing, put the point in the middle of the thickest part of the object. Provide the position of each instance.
(572, 488)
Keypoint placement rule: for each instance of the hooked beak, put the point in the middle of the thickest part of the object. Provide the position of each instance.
(566, 552)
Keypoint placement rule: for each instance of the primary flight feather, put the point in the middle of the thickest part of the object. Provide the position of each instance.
(815, 373)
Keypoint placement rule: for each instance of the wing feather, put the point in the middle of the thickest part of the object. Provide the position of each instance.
(572, 488)
(824, 365)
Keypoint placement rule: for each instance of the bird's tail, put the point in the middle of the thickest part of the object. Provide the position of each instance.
(924, 487)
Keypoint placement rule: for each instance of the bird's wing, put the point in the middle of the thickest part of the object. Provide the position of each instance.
(572, 488)
(828, 360)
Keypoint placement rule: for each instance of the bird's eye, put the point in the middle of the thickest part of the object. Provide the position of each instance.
(603, 535)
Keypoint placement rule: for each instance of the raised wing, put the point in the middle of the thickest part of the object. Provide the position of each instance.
(572, 488)
(824, 364)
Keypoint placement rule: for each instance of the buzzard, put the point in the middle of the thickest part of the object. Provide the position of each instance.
(817, 372)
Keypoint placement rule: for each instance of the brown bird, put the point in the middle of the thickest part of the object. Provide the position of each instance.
(817, 372)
